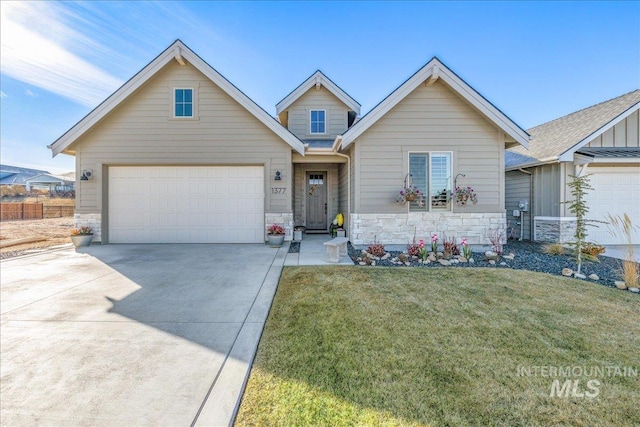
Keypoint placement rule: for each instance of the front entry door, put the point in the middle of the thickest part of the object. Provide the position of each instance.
(316, 200)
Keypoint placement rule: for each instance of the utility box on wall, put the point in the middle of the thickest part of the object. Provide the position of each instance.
(523, 205)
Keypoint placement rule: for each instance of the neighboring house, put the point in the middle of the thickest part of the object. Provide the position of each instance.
(52, 183)
(15, 175)
(602, 140)
(179, 154)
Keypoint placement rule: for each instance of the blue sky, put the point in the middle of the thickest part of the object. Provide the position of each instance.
(535, 61)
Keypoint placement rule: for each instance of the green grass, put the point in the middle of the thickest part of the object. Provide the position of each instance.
(384, 346)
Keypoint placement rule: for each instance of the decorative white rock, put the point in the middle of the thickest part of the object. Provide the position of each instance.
(567, 272)
(579, 276)
(594, 277)
(635, 290)
(620, 284)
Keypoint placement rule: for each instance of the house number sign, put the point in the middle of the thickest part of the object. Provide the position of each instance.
(278, 190)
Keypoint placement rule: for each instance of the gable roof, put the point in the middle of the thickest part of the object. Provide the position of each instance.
(433, 70)
(559, 139)
(317, 78)
(16, 175)
(50, 176)
(180, 52)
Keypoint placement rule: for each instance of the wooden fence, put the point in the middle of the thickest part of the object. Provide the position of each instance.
(14, 211)
(58, 211)
(20, 211)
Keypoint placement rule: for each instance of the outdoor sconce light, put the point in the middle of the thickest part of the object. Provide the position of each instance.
(86, 175)
(278, 177)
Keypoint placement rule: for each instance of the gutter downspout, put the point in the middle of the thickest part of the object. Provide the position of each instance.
(530, 206)
(335, 151)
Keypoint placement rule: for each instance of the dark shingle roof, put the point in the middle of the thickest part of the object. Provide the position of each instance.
(610, 152)
(319, 143)
(552, 139)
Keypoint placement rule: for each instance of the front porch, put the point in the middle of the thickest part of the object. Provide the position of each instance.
(319, 194)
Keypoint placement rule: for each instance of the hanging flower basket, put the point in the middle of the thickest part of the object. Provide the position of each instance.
(410, 194)
(464, 195)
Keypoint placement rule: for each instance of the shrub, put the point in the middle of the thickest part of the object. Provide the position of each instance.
(496, 236)
(275, 229)
(413, 249)
(621, 228)
(376, 249)
(553, 249)
(592, 249)
(450, 247)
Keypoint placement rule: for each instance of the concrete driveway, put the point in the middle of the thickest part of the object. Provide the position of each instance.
(132, 334)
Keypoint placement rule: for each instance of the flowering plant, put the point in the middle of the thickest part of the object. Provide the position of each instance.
(409, 194)
(82, 231)
(423, 251)
(434, 243)
(462, 195)
(275, 229)
(466, 249)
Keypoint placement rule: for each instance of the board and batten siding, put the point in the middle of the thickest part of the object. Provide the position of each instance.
(518, 187)
(431, 118)
(141, 131)
(623, 134)
(317, 99)
(546, 190)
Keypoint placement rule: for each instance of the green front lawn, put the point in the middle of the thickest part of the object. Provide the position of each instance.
(385, 346)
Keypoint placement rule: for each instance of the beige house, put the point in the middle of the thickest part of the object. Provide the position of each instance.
(179, 154)
(601, 140)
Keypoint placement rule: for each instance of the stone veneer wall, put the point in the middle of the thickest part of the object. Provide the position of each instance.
(554, 229)
(398, 229)
(284, 219)
(93, 220)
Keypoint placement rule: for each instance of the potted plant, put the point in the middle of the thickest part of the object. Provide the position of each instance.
(275, 235)
(410, 194)
(81, 236)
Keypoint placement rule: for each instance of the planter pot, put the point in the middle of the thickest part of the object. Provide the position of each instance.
(341, 233)
(410, 197)
(297, 235)
(82, 240)
(275, 240)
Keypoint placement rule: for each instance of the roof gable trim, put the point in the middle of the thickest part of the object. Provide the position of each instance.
(180, 52)
(428, 74)
(315, 80)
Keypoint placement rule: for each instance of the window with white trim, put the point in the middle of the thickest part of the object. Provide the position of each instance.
(317, 121)
(183, 102)
(431, 173)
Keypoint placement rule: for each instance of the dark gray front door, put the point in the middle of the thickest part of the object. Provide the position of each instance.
(316, 200)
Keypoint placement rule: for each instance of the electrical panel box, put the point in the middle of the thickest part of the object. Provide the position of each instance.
(523, 205)
(516, 213)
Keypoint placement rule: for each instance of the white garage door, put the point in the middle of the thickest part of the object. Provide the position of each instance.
(616, 191)
(186, 204)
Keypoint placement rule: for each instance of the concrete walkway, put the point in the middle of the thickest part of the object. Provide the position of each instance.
(314, 252)
(132, 334)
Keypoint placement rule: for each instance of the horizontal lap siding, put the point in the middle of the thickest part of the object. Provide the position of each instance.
(431, 118)
(141, 131)
(322, 99)
(517, 187)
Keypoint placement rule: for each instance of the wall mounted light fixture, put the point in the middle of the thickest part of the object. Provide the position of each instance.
(87, 174)
(277, 177)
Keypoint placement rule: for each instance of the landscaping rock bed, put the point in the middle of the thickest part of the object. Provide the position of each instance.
(527, 256)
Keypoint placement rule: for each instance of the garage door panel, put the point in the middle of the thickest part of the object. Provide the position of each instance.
(186, 204)
(615, 191)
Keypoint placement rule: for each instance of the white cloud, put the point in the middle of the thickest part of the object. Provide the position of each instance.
(30, 93)
(39, 61)
(3, 95)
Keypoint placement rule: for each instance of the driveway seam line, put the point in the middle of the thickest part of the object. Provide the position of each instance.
(224, 362)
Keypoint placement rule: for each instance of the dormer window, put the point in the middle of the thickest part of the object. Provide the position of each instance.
(318, 122)
(183, 103)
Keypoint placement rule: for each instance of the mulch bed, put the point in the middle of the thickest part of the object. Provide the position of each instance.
(528, 256)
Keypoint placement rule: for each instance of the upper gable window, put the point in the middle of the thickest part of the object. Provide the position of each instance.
(318, 123)
(183, 103)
